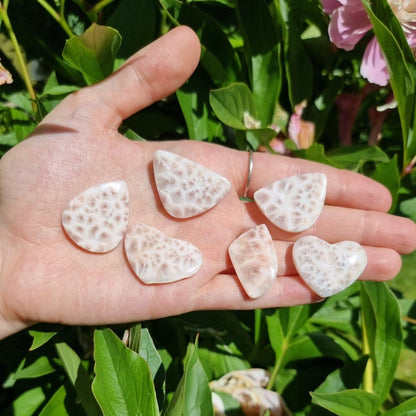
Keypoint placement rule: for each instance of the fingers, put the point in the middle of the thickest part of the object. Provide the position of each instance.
(344, 188)
(382, 263)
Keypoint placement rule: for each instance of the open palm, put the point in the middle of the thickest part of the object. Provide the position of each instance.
(46, 278)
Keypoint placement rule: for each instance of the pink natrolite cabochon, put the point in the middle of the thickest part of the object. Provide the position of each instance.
(328, 268)
(294, 203)
(156, 258)
(96, 219)
(255, 261)
(186, 188)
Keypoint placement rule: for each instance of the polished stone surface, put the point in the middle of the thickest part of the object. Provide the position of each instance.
(186, 188)
(328, 268)
(96, 219)
(294, 203)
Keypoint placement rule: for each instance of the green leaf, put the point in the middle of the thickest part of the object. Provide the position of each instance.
(408, 208)
(123, 384)
(141, 342)
(230, 104)
(298, 65)
(136, 21)
(56, 405)
(40, 338)
(262, 48)
(193, 395)
(40, 367)
(27, 403)
(94, 52)
(382, 326)
(79, 378)
(348, 402)
(316, 153)
(408, 408)
(193, 98)
(218, 57)
(355, 156)
(388, 174)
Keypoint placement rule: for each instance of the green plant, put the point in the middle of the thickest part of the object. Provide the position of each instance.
(260, 60)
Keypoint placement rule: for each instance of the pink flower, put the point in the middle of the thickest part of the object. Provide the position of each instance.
(350, 22)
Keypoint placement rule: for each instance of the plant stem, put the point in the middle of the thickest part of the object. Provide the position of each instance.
(368, 381)
(24, 72)
(99, 6)
(277, 366)
(59, 17)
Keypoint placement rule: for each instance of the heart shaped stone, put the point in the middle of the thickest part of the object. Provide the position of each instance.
(328, 268)
(255, 261)
(156, 258)
(186, 188)
(96, 219)
(294, 203)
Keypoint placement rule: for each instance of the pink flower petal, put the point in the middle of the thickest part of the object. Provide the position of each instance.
(330, 5)
(373, 65)
(348, 25)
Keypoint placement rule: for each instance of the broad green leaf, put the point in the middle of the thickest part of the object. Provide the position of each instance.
(193, 98)
(262, 49)
(388, 174)
(193, 395)
(355, 156)
(407, 408)
(348, 402)
(136, 21)
(27, 404)
(218, 57)
(94, 52)
(231, 103)
(40, 338)
(298, 65)
(316, 152)
(216, 364)
(78, 377)
(56, 405)
(314, 345)
(40, 367)
(401, 65)
(141, 342)
(347, 377)
(383, 331)
(408, 208)
(122, 384)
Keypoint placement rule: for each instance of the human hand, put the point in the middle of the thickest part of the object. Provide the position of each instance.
(44, 277)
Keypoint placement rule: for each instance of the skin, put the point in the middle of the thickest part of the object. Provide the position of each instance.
(44, 277)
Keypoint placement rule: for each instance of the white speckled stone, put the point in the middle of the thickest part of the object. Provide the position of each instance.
(186, 188)
(96, 219)
(255, 261)
(328, 268)
(156, 258)
(294, 203)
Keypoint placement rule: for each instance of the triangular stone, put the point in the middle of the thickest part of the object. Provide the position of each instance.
(186, 188)
(156, 258)
(294, 203)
